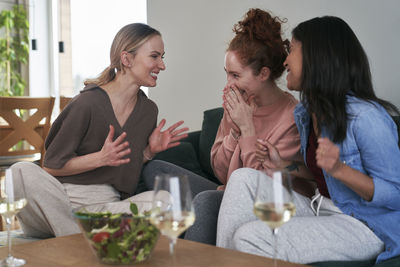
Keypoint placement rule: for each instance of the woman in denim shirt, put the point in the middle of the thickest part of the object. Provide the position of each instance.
(350, 147)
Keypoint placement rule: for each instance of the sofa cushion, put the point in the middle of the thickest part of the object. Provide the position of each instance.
(211, 120)
(368, 263)
(393, 262)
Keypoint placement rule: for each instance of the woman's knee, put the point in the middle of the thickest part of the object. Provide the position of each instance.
(26, 170)
(24, 165)
(154, 168)
(244, 177)
(149, 173)
(158, 166)
(148, 168)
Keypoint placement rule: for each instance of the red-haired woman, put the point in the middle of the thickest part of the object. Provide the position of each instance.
(254, 108)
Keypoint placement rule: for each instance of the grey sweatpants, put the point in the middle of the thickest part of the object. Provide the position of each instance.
(305, 238)
(156, 167)
(50, 203)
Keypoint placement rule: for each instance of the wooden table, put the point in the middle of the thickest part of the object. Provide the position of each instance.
(73, 250)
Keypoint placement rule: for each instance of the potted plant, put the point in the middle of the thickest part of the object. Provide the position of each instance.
(14, 50)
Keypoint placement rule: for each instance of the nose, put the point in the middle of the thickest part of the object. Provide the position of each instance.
(162, 65)
(229, 83)
(229, 80)
(285, 64)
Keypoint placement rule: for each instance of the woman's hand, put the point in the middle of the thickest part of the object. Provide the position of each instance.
(113, 152)
(240, 111)
(160, 141)
(327, 156)
(233, 126)
(268, 155)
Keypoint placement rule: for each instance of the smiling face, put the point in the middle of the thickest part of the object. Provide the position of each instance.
(241, 76)
(147, 63)
(294, 66)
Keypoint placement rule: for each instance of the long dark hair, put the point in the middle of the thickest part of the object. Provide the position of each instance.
(334, 65)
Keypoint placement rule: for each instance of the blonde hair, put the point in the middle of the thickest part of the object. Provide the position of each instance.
(129, 39)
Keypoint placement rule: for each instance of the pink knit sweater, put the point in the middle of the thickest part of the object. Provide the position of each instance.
(274, 123)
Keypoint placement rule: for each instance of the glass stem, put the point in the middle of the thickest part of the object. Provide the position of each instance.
(172, 243)
(275, 240)
(8, 223)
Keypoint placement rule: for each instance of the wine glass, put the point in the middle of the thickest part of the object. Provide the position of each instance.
(172, 210)
(274, 201)
(10, 205)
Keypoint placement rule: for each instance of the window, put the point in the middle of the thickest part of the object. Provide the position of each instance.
(93, 27)
(86, 28)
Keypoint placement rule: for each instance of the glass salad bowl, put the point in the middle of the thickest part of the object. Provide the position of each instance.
(119, 232)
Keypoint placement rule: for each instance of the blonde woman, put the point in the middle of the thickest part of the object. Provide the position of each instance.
(97, 146)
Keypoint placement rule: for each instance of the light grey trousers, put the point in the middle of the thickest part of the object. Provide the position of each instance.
(50, 203)
(306, 238)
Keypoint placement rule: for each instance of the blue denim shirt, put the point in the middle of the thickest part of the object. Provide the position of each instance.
(370, 147)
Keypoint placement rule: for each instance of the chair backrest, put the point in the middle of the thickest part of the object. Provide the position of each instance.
(64, 100)
(19, 124)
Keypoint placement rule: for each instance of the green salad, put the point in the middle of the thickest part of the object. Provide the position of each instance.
(119, 238)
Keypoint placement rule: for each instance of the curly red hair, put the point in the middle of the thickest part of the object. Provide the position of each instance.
(259, 43)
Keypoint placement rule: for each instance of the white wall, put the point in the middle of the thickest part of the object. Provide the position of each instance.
(196, 34)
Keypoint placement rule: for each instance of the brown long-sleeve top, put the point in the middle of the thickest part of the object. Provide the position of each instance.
(82, 128)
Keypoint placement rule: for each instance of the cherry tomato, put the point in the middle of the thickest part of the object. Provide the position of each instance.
(99, 237)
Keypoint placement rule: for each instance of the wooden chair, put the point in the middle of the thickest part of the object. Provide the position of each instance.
(64, 100)
(29, 128)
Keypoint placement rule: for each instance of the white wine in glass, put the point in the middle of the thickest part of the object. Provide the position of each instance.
(172, 212)
(10, 205)
(274, 201)
(274, 217)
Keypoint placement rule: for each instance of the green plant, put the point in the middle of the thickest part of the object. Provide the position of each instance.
(14, 50)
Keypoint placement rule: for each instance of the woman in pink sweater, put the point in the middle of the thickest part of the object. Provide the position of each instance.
(254, 106)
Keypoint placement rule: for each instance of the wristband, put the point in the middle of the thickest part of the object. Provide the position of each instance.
(145, 156)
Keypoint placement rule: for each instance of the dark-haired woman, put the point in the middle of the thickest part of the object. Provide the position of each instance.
(349, 144)
(97, 146)
(254, 108)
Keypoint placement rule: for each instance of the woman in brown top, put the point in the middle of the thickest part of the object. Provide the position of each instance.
(98, 144)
